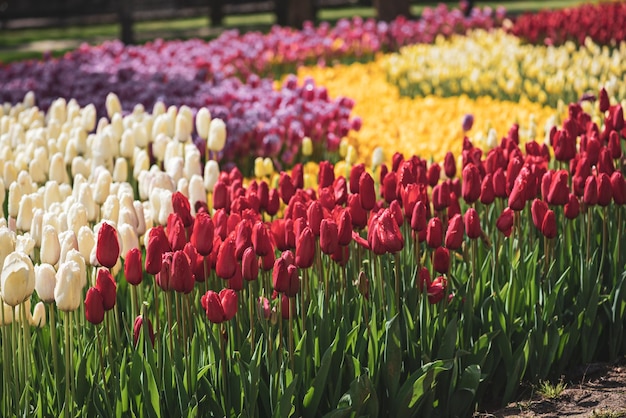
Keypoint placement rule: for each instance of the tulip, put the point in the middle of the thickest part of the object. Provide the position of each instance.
(263, 308)
(176, 234)
(226, 262)
(107, 246)
(357, 213)
(344, 228)
(68, 288)
(286, 187)
(142, 323)
(548, 227)
(243, 237)
(182, 208)
(217, 135)
(437, 290)
(441, 260)
(107, 287)
(50, 246)
(618, 185)
(38, 318)
(434, 233)
(329, 234)
(297, 176)
(487, 193)
(273, 202)
(455, 233)
(559, 190)
(517, 198)
(181, 276)
(17, 278)
(572, 207)
(605, 191)
(389, 232)
(590, 195)
(156, 245)
(449, 165)
(249, 265)
(211, 174)
(538, 210)
(45, 281)
(326, 174)
(472, 224)
(603, 100)
(340, 190)
(94, 306)
(418, 217)
(499, 183)
(505, 222)
(261, 241)
(471, 183)
(305, 248)
(390, 183)
(220, 196)
(132, 267)
(220, 307)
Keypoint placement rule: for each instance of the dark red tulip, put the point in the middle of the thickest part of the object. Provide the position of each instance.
(226, 262)
(505, 222)
(564, 145)
(455, 206)
(558, 193)
(441, 196)
(273, 202)
(163, 277)
(472, 224)
(449, 165)
(617, 116)
(264, 194)
(572, 207)
(285, 187)
(157, 245)
(455, 233)
(107, 287)
(305, 248)
(196, 262)
(437, 290)
(590, 195)
(243, 237)
(140, 324)
(176, 234)
(614, 145)
(357, 213)
(605, 191)
(389, 232)
(367, 192)
(390, 184)
(434, 172)
(261, 241)
(517, 198)
(344, 228)
(213, 307)
(329, 234)
(470, 188)
(315, 214)
(434, 233)
(412, 194)
(603, 100)
(202, 233)
(267, 262)
(236, 281)
(418, 217)
(326, 174)
(487, 194)
(441, 260)
(132, 267)
(327, 198)
(294, 281)
(287, 306)
(221, 196)
(499, 183)
(548, 227)
(618, 184)
(355, 176)
(220, 220)
(423, 280)
(182, 207)
(538, 210)
(181, 276)
(407, 173)
(94, 306)
(249, 265)
(107, 246)
(340, 190)
(297, 176)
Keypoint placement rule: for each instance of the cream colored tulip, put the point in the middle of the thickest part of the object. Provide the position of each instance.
(113, 105)
(45, 282)
(86, 241)
(38, 318)
(50, 246)
(68, 242)
(217, 135)
(129, 238)
(203, 122)
(17, 279)
(111, 209)
(197, 192)
(211, 174)
(25, 213)
(68, 288)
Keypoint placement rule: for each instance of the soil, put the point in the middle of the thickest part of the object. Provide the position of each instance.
(595, 390)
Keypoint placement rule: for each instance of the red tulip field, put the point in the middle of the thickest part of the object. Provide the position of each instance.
(255, 226)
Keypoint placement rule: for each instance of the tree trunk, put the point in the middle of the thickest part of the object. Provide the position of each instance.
(294, 12)
(388, 10)
(125, 14)
(216, 13)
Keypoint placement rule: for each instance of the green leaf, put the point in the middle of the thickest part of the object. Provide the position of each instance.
(448, 342)
(153, 391)
(360, 394)
(416, 388)
(285, 407)
(314, 393)
(465, 393)
(392, 356)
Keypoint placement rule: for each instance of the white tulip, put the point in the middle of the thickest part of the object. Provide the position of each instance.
(68, 289)
(85, 197)
(86, 241)
(17, 279)
(192, 161)
(111, 209)
(182, 129)
(203, 122)
(77, 217)
(88, 118)
(197, 192)
(9, 174)
(211, 174)
(50, 246)
(166, 207)
(141, 217)
(68, 243)
(57, 171)
(38, 319)
(102, 186)
(25, 213)
(129, 238)
(378, 157)
(29, 99)
(113, 105)
(120, 170)
(45, 281)
(158, 108)
(217, 135)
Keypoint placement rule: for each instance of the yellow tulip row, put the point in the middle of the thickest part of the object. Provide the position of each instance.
(425, 126)
(500, 65)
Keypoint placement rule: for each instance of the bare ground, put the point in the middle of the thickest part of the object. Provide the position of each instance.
(595, 390)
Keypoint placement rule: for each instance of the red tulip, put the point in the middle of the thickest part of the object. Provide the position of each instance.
(441, 260)
(434, 233)
(344, 228)
(367, 192)
(614, 145)
(455, 232)
(517, 198)
(437, 290)
(505, 222)
(355, 176)
(441, 196)
(221, 197)
(261, 241)
(327, 198)
(412, 194)
(548, 227)
(132, 267)
(285, 303)
(297, 176)
(390, 184)
(357, 213)
(94, 306)
(140, 324)
(341, 255)
(181, 276)
(605, 191)
(220, 220)
(604, 100)
(471, 183)
(249, 265)
(107, 287)
(329, 234)
(558, 193)
(340, 190)
(264, 194)
(418, 217)
(572, 207)
(267, 262)
(220, 307)
(433, 174)
(294, 281)
(107, 246)
(273, 202)
(389, 232)
(487, 194)
(162, 278)
(538, 210)
(499, 183)
(617, 116)
(449, 165)
(305, 248)
(564, 145)
(315, 214)
(455, 206)
(326, 174)
(618, 184)
(236, 281)
(590, 195)
(423, 278)
(182, 208)
(196, 262)
(243, 237)
(472, 224)
(285, 187)
(176, 234)
(202, 234)
(226, 262)
(280, 276)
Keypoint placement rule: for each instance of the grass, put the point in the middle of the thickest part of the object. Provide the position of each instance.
(608, 414)
(551, 391)
(18, 44)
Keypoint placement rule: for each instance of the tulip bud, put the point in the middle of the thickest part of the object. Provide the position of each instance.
(25, 213)
(604, 102)
(107, 287)
(538, 210)
(113, 105)
(326, 174)
(590, 195)
(505, 222)
(39, 316)
(140, 324)
(487, 194)
(249, 265)
(434, 233)
(68, 288)
(217, 135)
(203, 123)
(261, 240)
(455, 233)
(305, 248)
(286, 187)
(181, 276)
(441, 260)
(329, 234)
(344, 228)
(107, 245)
(156, 245)
(605, 191)
(132, 267)
(94, 306)
(472, 224)
(378, 157)
(45, 281)
(548, 226)
(307, 146)
(50, 246)
(17, 279)
(226, 263)
(367, 192)
(471, 183)
(437, 290)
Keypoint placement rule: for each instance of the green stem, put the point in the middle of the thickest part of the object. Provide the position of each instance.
(55, 351)
(26, 355)
(223, 366)
(69, 399)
